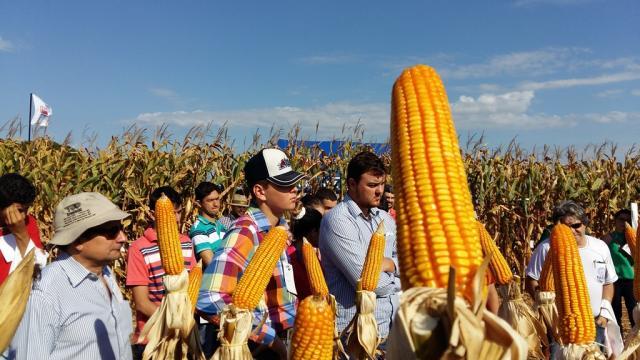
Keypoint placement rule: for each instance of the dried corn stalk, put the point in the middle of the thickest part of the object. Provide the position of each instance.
(14, 293)
(519, 315)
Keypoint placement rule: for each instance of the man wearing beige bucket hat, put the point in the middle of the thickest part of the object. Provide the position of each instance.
(239, 205)
(76, 310)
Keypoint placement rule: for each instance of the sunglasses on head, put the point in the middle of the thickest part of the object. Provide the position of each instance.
(576, 225)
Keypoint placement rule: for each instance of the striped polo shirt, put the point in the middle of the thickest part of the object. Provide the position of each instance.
(206, 234)
(144, 267)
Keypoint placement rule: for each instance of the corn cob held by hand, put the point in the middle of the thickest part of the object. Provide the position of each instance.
(498, 265)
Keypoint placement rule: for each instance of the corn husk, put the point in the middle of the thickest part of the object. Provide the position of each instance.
(362, 332)
(521, 317)
(171, 333)
(545, 306)
(579, 352)
(235, 329)
(632, 340)
(14, 293)
(433, 323)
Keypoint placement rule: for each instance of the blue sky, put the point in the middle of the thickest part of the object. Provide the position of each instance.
(555, 72)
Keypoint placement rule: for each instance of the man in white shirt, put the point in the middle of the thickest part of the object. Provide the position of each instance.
(596, 262)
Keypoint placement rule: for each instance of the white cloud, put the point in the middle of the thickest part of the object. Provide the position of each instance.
(6, 45)
(334, 119)
(613, 117)
(163, 93)
(609, 93)
(597, 80)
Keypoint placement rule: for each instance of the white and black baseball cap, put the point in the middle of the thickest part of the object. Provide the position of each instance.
(272, 165)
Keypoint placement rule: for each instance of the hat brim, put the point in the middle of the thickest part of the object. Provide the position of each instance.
(69, 235)
(238, 204)
(286, 179)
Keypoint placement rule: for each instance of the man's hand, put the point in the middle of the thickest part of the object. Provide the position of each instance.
(388, 265)
(602, 321)
(15, 221)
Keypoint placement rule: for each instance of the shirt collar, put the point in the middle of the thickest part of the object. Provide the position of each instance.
(8, 247)
(355, 210)
(75, 271)
(261, 219)
(204, 220)
(150, 234)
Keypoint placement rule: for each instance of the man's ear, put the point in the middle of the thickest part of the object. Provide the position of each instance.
(351, 183)
(259, 192)
(152, 215)
(198, 203)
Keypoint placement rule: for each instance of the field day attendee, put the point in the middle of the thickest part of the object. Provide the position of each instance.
(76, 309)
(623, 263)
(144, 267)
(388, 200)
(345, 233)
(239, 205)
(327, 197)
(598, 268)
(207, 232)
(272, 184)
(18, 230)
(306, 227)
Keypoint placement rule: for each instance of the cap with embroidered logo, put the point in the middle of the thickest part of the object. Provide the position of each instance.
(77, 213)
(272, 165)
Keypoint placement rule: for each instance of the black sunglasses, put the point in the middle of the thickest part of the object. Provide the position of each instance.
(109, 230)
(576, 225)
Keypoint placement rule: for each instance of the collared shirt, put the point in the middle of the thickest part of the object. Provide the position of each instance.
(228, 220)
(345, 233)
(206, 234)
(229, 262)
(72, 315)
(144, 267)
(10, 256)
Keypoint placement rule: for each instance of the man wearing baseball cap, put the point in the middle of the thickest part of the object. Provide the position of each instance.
(272, 184)
(76, 310)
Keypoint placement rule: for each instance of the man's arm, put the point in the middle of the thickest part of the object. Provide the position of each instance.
(206, 256)
(35, 337)
(141, 300)
(607, 295)
(16, 223)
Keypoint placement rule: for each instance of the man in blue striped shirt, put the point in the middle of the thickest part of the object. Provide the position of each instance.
(76, 310)
(345, 233)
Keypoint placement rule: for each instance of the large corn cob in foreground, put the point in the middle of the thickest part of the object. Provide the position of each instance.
(435, 222)
(254, 280)
(546, 275)
(574, 306)
(168, 237)
(373, 261)
(630, 238)
(314, 325)
(195, 278)
(498, 265)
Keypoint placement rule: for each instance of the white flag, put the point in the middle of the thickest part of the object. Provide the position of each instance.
(41, 111)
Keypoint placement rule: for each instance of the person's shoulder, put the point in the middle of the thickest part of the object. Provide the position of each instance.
(50, 278)
(597, 244)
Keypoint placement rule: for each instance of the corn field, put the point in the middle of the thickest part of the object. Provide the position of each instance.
(514, 190)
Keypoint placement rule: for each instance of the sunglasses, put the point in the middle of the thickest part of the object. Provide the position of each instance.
(108, 230)
(576, 225)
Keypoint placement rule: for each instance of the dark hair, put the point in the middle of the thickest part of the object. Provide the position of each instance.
(173, 195)
(388, 188)
(205, 188)
(363, 162)
(569, 208)
(15, 188)
(311, 200)
(326, 194)
(621, 212)
(309, 222)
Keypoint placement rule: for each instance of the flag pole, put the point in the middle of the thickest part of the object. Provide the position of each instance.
(29, 119)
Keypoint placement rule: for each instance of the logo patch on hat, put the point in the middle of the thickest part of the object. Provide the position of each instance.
(75, 213)
(73, 208)
(284, 163)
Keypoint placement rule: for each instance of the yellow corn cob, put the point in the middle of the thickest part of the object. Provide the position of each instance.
(373, 262)
(630, 237)
(498, 264)
(254, 280)
(168, 237)
(195, 278)
(546, 275)
(313, 330)
(572, 296)
(314, 271)
(435, 222)
(635, 251)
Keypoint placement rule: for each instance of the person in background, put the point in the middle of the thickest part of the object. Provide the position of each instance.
(207, 231)
(345, 233)
(307, 227)
(327, 197)
(239, 205)
(623, 263)
(18, 230)
(272, 184)
(388, 200)
(144, 267)
(76, 309)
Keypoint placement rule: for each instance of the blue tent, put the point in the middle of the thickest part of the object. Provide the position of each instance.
(335, 146)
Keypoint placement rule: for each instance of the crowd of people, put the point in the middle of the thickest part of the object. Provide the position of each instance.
(77, 310)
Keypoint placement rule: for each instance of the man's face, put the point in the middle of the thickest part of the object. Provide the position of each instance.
(210, 204)
(621, 221)
(577, 227)
(367, 192)
(238, 211)
(390, 199)
(328, 205)
(104, 244)
(280, 198)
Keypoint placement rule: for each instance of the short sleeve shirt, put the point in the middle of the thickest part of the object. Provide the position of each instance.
(206, 234)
